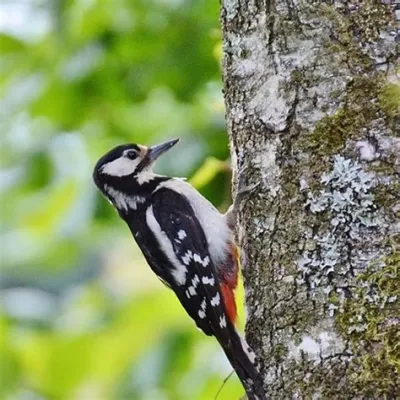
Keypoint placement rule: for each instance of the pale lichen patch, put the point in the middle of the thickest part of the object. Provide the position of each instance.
(366, 150)
(231, 8)
(323, 345)
(270, 104)
(265, 162)
(318, 342)
(346, 204)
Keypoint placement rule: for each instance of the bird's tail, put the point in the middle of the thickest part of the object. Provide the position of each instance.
(243, 361)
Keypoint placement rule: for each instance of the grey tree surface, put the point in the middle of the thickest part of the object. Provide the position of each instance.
(312, 106)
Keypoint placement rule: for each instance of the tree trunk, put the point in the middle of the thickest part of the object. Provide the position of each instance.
(312, 107)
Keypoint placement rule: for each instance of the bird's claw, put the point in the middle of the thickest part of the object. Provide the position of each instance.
(242, 193)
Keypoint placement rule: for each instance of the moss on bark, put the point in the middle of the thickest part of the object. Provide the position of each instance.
(366, 99)
(370, 317)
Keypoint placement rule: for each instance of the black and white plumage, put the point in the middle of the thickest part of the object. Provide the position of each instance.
(186, 242)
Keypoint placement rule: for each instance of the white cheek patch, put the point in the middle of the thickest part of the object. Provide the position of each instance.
(120, 167)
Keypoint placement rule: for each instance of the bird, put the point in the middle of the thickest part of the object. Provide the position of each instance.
(187, 243)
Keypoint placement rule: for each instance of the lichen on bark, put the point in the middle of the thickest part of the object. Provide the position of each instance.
(312, 101)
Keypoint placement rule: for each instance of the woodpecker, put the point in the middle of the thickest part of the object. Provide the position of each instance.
(186, 242)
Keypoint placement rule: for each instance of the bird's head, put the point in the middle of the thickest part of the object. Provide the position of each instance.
(129, 164)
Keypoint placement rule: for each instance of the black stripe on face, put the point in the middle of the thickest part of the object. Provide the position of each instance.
(117, 152)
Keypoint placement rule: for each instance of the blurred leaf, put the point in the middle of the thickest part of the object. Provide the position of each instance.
(207, 172)
(51, 210)
(40, 171)
(9, 367)
(10, 44)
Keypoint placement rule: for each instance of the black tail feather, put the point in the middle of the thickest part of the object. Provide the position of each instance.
(241, 358)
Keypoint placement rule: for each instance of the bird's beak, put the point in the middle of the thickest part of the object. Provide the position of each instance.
(155, 151)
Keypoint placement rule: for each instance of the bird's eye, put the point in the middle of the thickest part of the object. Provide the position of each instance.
(131, 154)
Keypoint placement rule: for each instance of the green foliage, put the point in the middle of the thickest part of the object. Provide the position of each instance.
(81, 315)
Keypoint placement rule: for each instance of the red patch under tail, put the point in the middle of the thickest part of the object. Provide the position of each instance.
(230, 303)
(228, 281)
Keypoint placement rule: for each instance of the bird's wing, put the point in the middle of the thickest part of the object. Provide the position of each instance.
(192, 273)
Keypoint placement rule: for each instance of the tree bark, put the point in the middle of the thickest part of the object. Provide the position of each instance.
(312, 106)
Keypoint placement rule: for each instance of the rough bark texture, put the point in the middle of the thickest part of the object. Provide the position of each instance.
(312, 100)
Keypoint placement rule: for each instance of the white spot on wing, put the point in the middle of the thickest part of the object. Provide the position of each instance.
(208, 281)
(192, 290)
(204, 262)
(202, 312)
(195, 281)
(182, 234)
(222, 322)
(216, 300)
(179, 271)
(187, 257)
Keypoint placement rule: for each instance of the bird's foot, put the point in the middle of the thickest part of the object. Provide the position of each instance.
(242, 194)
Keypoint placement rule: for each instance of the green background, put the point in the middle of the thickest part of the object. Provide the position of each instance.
(82, 316)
